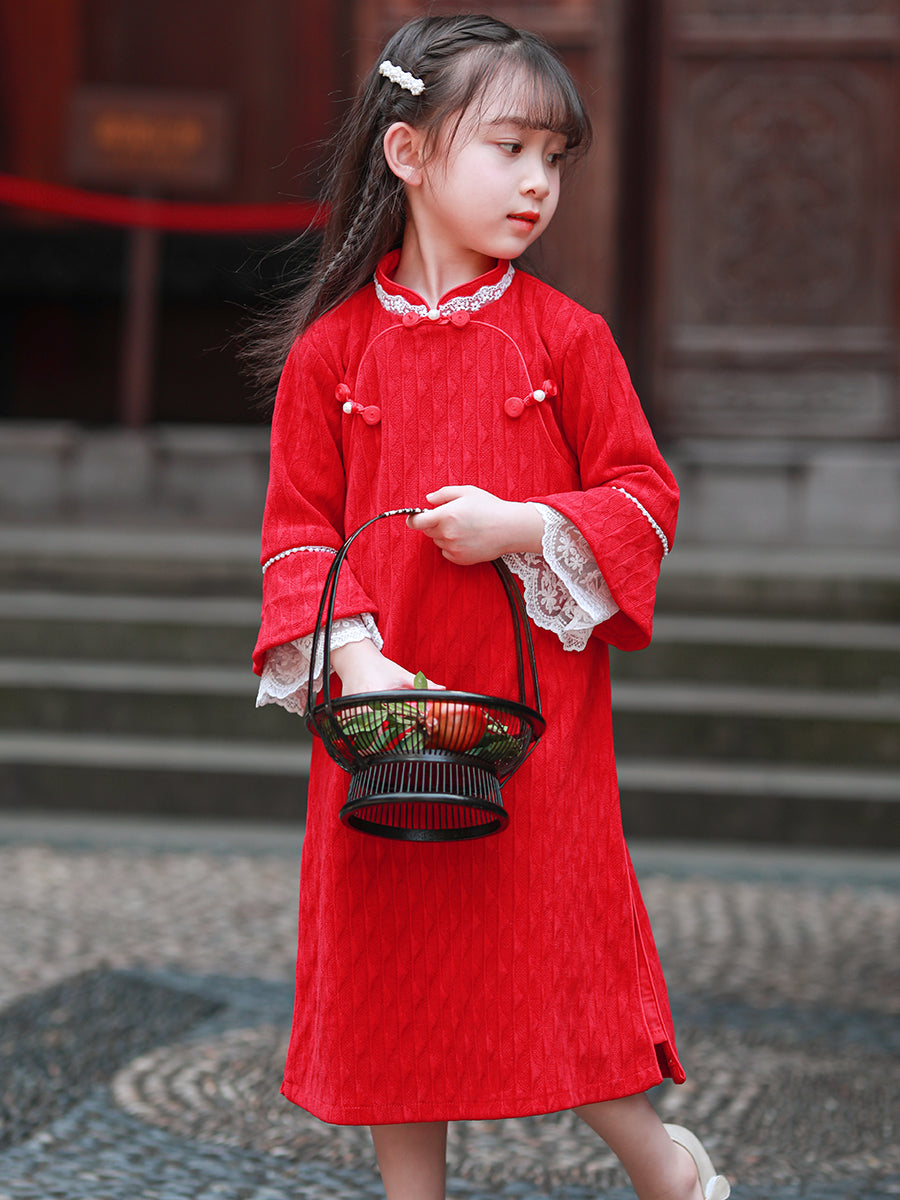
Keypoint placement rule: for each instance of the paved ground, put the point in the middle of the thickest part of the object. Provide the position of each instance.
(145, 995)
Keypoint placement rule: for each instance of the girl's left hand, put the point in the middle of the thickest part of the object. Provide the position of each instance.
(470, 525)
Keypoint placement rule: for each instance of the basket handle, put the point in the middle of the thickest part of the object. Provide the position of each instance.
(521, 629)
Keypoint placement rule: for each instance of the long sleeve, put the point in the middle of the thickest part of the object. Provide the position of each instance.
(627, 508)
(303, 519)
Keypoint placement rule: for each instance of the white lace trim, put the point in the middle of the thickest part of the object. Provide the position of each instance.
(564, 590)
(656, 529)
(485, 295)
(297, 550)
(285, 676)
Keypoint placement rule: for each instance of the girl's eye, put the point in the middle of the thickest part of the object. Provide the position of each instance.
(556, 159)
(511, 147)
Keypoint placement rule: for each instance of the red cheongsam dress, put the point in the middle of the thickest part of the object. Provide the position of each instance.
(513, 974)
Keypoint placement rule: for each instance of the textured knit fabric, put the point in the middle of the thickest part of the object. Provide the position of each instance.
(513, 974)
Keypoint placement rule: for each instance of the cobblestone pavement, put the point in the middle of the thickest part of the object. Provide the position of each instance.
(145, 992)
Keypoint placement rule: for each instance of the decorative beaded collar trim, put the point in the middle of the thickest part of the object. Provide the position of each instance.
(485, 295)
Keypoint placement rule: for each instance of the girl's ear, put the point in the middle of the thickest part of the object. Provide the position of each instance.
(403, 152)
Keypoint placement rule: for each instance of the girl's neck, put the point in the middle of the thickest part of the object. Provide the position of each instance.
(431, 274)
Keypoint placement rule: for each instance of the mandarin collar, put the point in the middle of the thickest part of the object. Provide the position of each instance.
(468, 297)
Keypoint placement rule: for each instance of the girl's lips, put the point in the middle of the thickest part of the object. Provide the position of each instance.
(529, 218)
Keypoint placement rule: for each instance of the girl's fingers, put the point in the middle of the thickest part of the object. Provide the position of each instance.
(432, 519)
(445, 494)
(427, 521)
(422, 521)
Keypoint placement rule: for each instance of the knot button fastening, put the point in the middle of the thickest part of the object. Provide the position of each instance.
(370, 413)
(516, 405)
(412, 317)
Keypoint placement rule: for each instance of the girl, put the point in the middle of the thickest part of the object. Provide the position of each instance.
(515, 974)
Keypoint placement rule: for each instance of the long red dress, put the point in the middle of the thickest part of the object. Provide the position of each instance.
(514, 974)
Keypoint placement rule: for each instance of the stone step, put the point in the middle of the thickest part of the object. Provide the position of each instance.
(724, 721)
(859, 585)
(768, 650)
(42, 624)
(216, 755)
(193, 700)
(737, 801)
(174, 776)
(131, 561)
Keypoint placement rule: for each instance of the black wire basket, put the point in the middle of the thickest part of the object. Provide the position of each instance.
(425, 766)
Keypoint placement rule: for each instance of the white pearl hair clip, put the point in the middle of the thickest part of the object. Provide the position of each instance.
(403, 78)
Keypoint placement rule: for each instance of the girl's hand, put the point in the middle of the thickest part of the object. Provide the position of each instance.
(363, 668)
(469, 525)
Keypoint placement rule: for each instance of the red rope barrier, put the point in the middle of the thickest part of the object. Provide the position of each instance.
(174, 216)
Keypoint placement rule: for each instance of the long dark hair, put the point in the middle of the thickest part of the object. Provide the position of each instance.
(455, 57)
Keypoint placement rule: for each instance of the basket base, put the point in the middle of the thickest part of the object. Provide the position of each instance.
(425, 800)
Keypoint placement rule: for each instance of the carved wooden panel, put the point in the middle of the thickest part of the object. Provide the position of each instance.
(777, 284)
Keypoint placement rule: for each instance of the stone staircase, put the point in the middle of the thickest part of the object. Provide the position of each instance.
(767, 708)
(768, 705)
(125, 682)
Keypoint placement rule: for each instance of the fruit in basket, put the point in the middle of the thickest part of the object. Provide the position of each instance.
(454, 726)
(450, 726)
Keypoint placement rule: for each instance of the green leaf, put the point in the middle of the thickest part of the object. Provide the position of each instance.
(409, 713)
(497, 746)
(420, 681)
(410, 742)
(380, 741)
(365, 720)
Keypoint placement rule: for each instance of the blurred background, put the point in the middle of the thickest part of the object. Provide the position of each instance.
(736, 223)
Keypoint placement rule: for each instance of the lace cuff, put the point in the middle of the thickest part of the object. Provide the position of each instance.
(564, 590)
(285, 676)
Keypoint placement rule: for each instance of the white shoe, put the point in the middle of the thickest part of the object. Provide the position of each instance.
(713, 1186)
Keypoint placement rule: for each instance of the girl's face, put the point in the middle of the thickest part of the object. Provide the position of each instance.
(491, 190)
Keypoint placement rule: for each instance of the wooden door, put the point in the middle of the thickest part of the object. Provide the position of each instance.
(777, 248)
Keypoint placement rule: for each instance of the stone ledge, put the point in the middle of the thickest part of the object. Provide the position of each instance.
(788, 492)
(59, 470)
